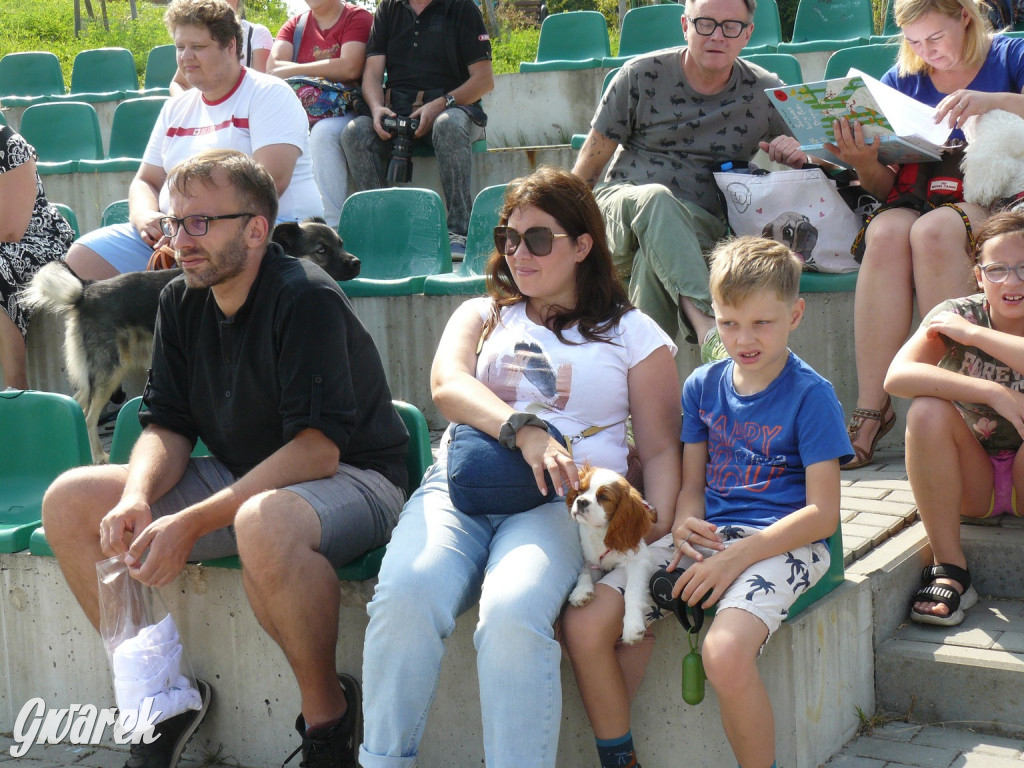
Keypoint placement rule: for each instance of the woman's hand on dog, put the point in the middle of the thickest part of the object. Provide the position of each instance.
(962, 104)
(851, 145)
(544, 454)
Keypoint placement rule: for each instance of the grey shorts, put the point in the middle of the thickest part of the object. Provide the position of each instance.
(357, 508)
(766, 589)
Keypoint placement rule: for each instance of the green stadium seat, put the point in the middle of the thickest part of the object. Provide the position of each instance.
(571, 40)
(767, 29)
(129, 134)
(832, 578)
(3, 120)
(30, 77)
(818, 22)
(576, 142)
(115, 213)
(784, 65)
(828, 282)
(43, 434)
(103, 74)
(62, 133)
(874, 60)
(69, 216)
(400, 235)
(127, 430)
(890, 30)
(469, 278)
(649, 28)
(161, 67)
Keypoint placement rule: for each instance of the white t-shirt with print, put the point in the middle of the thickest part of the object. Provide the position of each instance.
(573, 386)
(259, 111)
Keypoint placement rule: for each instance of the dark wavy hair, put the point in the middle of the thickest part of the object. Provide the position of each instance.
(215, 16)
(600, 298)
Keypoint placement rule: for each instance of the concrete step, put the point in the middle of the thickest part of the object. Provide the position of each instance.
(971, 675)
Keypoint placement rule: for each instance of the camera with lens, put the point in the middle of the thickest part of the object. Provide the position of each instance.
(403, 131)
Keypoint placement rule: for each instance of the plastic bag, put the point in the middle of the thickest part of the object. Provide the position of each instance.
(153, 680)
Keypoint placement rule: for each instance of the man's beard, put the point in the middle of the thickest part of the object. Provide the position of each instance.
(221, 267)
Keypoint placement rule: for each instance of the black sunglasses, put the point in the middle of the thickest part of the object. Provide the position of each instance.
(539, 240)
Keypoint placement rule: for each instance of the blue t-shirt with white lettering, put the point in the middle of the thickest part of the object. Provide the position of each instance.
(760, 445)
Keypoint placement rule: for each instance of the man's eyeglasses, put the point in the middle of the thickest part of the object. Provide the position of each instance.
(706, 26)
(195, 225)
(539, 240)
(997, 273)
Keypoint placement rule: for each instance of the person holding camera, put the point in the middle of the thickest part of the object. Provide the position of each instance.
(437, 55)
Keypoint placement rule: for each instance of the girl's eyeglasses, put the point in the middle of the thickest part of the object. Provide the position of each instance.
(997, 273)
(539, 240)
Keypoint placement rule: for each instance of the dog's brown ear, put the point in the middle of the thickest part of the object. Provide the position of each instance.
(631, 520)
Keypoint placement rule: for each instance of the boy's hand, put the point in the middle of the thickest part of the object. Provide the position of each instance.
(690, 533)
(705, 582)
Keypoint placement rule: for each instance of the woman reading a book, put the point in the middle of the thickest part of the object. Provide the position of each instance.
(920, 241)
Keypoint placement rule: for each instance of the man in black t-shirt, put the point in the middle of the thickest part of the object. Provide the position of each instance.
(437, 55)
(261, 356)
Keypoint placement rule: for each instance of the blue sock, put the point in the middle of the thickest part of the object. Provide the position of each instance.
(617, 753)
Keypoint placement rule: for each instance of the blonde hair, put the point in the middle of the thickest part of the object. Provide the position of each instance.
(744, 265)
(976, 34)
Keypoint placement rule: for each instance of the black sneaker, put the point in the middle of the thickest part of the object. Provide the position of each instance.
(174, 733)
(335, 746)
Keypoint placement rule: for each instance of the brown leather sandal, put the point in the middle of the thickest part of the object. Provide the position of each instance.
(860, 415)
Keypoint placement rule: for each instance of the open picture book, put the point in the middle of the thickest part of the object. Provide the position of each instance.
(905, 127)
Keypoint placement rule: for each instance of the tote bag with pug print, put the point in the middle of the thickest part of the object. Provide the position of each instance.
(801, 208)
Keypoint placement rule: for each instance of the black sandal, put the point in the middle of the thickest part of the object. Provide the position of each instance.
(944, 594)
(861, 457)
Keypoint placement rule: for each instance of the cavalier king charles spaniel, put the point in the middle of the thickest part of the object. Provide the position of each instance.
(613, 520)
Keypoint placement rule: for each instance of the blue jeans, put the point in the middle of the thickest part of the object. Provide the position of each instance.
(438, 564)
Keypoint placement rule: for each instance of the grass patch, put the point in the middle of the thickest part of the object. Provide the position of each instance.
(49, 25)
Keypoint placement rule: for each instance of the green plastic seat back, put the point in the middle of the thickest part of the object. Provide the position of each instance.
(419, 457)
(767, 27)
(833, 19)
(874, 60)
(69, 216)
(41, 435)
(59, 131)
(482, 221)
(115, 213)
(396, 232)
(133, 123)
(30, 73)
(161, 66)
(127, 430)
(573, 36)
(890, 27)
(785, 65)
(104, 70)
(649, 28)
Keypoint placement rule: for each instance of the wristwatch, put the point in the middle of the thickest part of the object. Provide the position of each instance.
(449, 101)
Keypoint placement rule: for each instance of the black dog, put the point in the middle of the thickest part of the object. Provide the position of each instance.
(109, 323)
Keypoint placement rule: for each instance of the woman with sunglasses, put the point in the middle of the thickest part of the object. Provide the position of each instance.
(555, 340)
(918, 246)
(964, 367)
